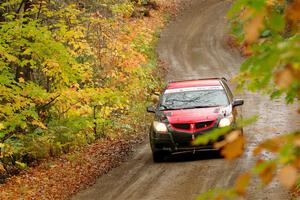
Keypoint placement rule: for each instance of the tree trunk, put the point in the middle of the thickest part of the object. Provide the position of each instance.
(24, 72)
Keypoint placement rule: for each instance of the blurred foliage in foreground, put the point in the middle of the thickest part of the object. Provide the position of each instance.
(268, 32)
(70, 73)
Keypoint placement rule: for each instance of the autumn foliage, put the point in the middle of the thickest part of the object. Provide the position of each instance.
(268, 32)
(71, 73)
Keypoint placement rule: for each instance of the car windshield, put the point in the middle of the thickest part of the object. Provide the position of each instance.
(193, 98)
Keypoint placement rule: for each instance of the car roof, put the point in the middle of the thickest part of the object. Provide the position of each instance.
(194, 83)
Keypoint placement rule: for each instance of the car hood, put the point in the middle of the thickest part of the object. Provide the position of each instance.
(189, 116)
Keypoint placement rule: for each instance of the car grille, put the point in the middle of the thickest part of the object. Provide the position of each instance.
(201, 125)
(198, 126)
(182, 126)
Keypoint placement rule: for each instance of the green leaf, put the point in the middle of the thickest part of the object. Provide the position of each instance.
(21, 165)
(277, 22)
(211, 136)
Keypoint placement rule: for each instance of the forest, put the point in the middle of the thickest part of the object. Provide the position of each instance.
(72, 72)
(76, 76)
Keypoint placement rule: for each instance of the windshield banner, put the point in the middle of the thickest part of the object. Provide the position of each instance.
(193, 89)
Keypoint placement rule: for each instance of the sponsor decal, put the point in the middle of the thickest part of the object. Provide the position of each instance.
(169, 91)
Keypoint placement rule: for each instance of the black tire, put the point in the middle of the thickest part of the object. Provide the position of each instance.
(158, 156)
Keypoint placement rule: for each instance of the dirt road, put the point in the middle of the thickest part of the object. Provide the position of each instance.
(195, 46)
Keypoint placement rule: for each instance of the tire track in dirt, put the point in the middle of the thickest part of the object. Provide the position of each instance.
(195, 47)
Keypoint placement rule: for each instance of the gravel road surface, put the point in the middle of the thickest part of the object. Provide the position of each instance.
(194, 45)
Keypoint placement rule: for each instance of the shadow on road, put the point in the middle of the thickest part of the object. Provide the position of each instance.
(186, 157)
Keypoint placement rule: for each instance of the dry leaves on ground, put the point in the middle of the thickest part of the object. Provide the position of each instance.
(60, 178)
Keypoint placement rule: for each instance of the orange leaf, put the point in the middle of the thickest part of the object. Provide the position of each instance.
(297, 141)
(292, 12)
(253, 28)
(273, 145)
(271, 3)
(234, 135)
(2, 169)
(247, 50)
(288, 176)
(242, 184)
(231, 137)
(258, 149)
(284, 78)
(219, 197)
(296, 162)
(219, 145)
(246, 13)
(267, 174)
(234, 149)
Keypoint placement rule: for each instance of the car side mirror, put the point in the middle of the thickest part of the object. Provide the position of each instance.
(238, 102)
(151, 109)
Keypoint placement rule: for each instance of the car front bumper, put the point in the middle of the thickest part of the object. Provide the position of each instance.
(178, 142)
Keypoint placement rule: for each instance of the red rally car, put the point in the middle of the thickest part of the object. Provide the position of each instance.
(188, 109)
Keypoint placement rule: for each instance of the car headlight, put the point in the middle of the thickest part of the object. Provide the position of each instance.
(160, 127)
(227, 121)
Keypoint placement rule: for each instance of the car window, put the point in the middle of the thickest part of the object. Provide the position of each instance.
(184, 99)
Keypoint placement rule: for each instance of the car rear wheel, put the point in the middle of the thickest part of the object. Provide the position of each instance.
(158, 156)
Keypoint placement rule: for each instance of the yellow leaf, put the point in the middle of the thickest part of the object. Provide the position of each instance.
(2, 169)
(21, 80)
(39, 124)
(288, 176)
(1, 126)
